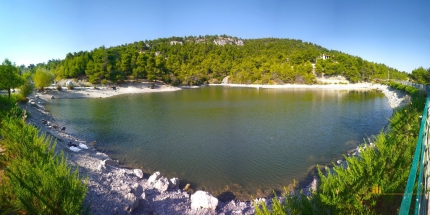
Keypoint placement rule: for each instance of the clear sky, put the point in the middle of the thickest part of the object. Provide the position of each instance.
(396, 33)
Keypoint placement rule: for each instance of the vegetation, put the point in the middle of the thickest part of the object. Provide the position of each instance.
(349, 190)
(208, 59)
(421, 75)
(42, 78)
(33, 179)
(9, 77)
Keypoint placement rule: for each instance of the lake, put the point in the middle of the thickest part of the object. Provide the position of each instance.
(224, 139)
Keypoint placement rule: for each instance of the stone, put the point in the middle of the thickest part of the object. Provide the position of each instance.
(162, 184)
(131, 202)
(174, 183)
(52, 97)
(203, 200)
(143, 196)
(154, 177)
(104, 163)
(138, 173)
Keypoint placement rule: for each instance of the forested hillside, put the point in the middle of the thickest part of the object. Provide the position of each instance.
(208, 59)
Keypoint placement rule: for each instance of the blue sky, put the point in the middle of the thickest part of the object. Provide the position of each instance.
(396, 33)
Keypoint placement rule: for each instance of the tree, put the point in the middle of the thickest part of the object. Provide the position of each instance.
(42, 78)
(27, 87)
(9, 76)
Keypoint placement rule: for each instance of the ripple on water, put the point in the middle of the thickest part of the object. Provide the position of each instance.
(220, 139)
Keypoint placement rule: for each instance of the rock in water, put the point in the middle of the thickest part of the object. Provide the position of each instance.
(154, 177)
(138, 173)
(131, 202)
(162, 184)
(174, 183)
(202, 199)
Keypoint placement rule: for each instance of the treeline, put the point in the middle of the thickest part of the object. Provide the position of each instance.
(421, 75)
(208, 59)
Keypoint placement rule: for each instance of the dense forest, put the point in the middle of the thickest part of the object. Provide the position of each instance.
(209, 59)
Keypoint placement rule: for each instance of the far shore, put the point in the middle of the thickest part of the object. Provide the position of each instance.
(395, 98)
(145, 87)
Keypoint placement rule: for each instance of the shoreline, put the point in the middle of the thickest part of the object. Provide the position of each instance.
(109, 184)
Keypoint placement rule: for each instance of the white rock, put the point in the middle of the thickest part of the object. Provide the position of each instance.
(74, 149)
(131, 202)
(143, 196)
(174, 183)
(83, 146)
(202, 199)
(154, 177)
(138, 173)
(162, 184)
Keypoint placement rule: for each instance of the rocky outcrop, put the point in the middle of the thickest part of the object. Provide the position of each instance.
(153, 178)
(203, 200)
(162, 184)
(138, 173)
(131, 202)
(174, 183)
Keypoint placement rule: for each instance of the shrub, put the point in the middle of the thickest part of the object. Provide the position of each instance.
(36, 180)
(58, 87)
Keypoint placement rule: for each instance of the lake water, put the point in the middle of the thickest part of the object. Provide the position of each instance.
(223, 139)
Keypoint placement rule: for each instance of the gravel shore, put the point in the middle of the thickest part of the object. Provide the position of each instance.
(115, 190)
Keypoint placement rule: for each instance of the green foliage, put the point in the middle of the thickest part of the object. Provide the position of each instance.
(9, 77)
(421, 75)
(42, 78)
(198, 60)
(27, 88)
(294, 201)
(411, 90)
(36, 180)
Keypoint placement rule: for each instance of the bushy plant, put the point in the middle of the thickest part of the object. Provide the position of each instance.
(36, 180)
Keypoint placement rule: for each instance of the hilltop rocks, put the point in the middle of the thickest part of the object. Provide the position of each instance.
(203, 200)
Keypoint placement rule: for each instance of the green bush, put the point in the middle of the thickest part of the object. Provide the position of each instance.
(36, 180)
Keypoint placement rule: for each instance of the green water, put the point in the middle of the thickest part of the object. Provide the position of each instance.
(244, 140)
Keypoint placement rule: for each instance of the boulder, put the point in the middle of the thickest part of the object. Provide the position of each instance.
(162, 184)
(104, 163)
(174, 183)
(154, 177)
(138, 173)
(202, 200)
(131, 202)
